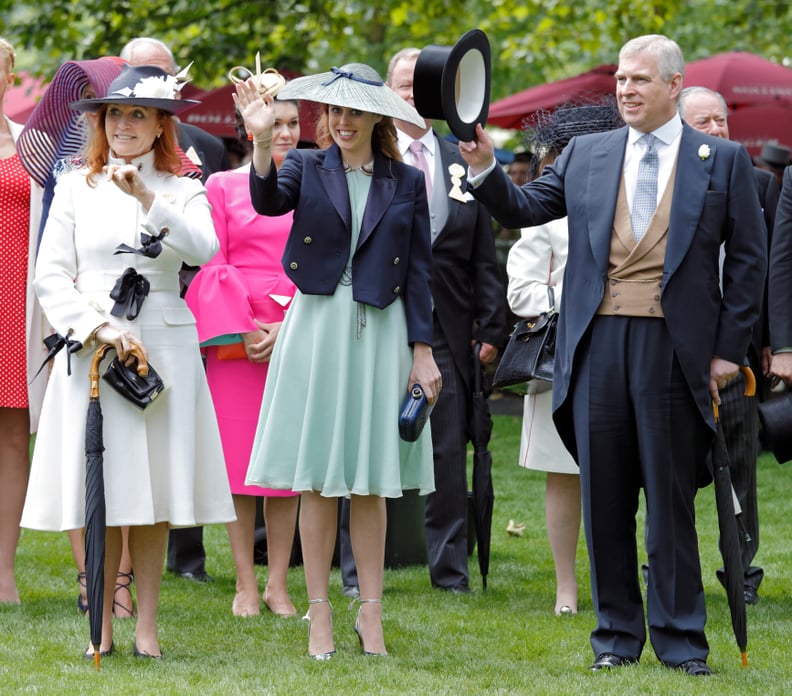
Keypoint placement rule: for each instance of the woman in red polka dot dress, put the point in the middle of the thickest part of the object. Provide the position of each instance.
(20, 330)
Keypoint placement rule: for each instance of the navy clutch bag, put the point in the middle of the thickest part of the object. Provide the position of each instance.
(414, 413)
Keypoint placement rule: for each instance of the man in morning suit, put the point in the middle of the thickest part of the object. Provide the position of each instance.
(646, 337)
(780, 285)
(468, 300)
(186, 553)
(706, 111)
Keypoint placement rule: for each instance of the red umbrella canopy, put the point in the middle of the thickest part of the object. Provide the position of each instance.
(742, 78)
(23, 97)
(753, 126)
(510, 112)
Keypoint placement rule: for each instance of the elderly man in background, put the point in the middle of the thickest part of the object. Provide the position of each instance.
(706, 111)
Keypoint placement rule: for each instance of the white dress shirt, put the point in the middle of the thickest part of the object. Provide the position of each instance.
(428, 141)
(667, 145)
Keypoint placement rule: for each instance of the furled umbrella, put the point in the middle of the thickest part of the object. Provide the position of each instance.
(729, 527)
(483, 495)
(95, 522)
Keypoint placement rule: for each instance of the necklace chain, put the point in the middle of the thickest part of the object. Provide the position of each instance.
(367, 169)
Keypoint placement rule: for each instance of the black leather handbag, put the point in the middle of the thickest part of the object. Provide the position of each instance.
(140, 390)
(414, 413)
(526, 366)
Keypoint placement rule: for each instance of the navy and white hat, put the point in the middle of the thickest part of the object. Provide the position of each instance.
(354, 86)
(141, 85)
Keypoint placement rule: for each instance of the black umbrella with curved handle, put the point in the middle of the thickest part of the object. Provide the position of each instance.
(95, 510)
(483, 495)
(729, 527)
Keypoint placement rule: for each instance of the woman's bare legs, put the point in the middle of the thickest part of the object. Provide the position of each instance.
(147, 546)
(367, 526)
(562, 516)
(241, 534)
(123, 604)
(318, 523)
(280, 517)
(14, 471)
(77, 541)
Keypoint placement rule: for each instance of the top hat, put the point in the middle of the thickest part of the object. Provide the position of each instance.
(776, 418)
(452, 83)
(141, 85)
(354, 86)
(774, 155)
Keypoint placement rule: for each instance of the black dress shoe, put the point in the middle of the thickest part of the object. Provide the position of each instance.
(609, 661)
(454, 589)
(102, 653)
(352, 591)
(750, 594)
(695, 667)
(143, 654)
(196, 577)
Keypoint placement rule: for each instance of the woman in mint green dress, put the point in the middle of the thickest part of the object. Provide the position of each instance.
(357, 334)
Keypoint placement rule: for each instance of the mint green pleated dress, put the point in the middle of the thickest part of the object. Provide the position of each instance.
(338, 375)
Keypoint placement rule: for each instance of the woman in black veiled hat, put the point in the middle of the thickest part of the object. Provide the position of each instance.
(535, 264)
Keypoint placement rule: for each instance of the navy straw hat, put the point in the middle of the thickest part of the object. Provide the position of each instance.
(141, 85)
(550, 131)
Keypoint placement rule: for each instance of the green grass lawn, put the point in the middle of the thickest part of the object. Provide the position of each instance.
(503, 640)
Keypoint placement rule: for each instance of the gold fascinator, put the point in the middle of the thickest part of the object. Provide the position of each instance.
(268, 82)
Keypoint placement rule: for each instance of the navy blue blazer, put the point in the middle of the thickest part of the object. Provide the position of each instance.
(393, 256)
(714, 201)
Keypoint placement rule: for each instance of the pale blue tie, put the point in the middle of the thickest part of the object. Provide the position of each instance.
(645, 198)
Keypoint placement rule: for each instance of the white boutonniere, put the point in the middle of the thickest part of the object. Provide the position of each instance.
(704, 152)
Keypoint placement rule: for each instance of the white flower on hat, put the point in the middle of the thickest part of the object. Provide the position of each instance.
(156, 88)
(704, 151)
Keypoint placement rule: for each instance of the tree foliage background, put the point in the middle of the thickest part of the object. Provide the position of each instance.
(533, 41)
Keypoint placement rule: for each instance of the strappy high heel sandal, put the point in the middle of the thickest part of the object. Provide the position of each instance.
(120, 610)
(82, 604)
(321, 657)
(367, 653)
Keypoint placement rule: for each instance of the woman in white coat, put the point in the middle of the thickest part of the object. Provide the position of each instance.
(163, 466)
(535, 264)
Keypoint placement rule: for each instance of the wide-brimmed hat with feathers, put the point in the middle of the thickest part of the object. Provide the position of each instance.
(354, 86)
(142, 85)
(549, 131)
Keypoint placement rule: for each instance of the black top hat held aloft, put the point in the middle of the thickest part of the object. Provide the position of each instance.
(452, 83)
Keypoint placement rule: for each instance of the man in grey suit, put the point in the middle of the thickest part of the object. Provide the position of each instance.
(468, 300)
(646, 337)
(186, 553)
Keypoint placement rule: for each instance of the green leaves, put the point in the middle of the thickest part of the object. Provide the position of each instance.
(533, 41)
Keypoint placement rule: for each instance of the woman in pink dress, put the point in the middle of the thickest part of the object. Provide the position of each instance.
(239, 300)
(20, 328)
